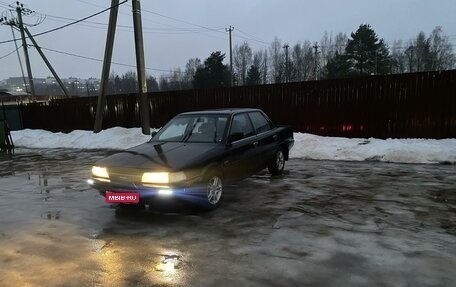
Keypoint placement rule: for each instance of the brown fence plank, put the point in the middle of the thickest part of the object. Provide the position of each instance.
(406, 105)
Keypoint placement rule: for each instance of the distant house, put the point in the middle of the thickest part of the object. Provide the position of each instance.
(49, 86)
(6, 97)
(4, 93)
(12, 96)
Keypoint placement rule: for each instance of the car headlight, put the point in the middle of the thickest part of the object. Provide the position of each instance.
(163, 177)
(100, 172)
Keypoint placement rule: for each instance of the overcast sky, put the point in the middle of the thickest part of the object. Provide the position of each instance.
(176, 30)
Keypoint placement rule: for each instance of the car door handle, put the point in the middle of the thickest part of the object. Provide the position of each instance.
(275, 137)
(255, 144)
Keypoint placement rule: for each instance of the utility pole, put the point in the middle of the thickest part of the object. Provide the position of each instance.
(87, 89)
(316, 60)
(57, 78)
(287, 70)
(141, 67)
(106, 66)
(20, 62)
(19, 24)
(24, 46)
(231, 29)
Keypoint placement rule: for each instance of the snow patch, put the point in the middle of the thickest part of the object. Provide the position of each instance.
(307, 146)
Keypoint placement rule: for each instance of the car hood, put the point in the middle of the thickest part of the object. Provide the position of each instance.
(161, 156)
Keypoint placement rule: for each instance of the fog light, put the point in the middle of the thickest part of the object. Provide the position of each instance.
(165, 191)
(90, 181)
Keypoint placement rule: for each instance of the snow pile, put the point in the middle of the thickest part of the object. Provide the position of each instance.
(114, 138)
(310, 146)
(306, 146)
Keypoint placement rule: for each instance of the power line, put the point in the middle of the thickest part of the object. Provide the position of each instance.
(188, 23)
(128, 14)
(99, 60)
(72, 23)
(173, 29)
(10, 53)
(146, 30)
(182, 21)
(251, 37)
(201, 26)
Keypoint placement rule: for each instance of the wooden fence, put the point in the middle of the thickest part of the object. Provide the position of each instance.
(399, 106)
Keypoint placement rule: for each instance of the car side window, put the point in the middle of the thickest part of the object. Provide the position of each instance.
(242, 124)
(260, 123)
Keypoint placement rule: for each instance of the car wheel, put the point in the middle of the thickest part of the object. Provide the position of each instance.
(278, 164)
(214, 190)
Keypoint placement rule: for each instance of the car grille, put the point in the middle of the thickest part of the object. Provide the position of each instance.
(124, 175)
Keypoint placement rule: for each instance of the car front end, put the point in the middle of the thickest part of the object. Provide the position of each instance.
(148, 185)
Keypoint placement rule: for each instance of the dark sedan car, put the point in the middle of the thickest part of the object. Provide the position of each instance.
(194, 154)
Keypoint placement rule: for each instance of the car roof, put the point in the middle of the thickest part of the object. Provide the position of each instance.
(227, 111)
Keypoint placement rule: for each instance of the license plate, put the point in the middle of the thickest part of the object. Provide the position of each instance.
(122, 197)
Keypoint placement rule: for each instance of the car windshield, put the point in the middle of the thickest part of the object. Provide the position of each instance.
(194, 128)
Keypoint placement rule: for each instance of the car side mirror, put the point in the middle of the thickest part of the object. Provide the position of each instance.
(152, 134)
(234, 137)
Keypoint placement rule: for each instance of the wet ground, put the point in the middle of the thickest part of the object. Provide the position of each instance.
(321, 224)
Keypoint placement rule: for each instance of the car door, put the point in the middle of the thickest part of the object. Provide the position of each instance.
(266, 139)
(241, 153)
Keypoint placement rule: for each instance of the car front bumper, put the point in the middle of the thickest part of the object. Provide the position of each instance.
(149, 193)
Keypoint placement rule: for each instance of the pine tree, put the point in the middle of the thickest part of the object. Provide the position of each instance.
(337, 67)
(253, 76)
(213, 74)
(366, 53)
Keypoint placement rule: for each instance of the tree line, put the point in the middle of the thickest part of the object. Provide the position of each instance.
(334, 56)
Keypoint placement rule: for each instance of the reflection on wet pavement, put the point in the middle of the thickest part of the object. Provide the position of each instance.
(321, 224)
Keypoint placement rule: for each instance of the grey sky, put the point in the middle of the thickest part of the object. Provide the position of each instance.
(170, 43)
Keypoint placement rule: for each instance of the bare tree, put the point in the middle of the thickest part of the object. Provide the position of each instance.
(441, 51)
(242, 60)
(340, 43)
(190, 69)
(152, 84)
(302, 59)
(418, 54)
(399, 58)
(260, 60)
(163, 83)
(422, 53)
(429, 54)
(330, 47)
(326, 48)
(277, 61)
(176, 80)
(129, 82)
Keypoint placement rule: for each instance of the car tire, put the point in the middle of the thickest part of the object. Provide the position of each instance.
(278, 164)
(213, 190)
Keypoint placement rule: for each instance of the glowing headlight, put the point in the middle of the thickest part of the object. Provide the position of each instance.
(100, 172)
(163, 177)
(155, 177)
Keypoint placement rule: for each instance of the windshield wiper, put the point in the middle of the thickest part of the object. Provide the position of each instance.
(215, 134)
(190, 132)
